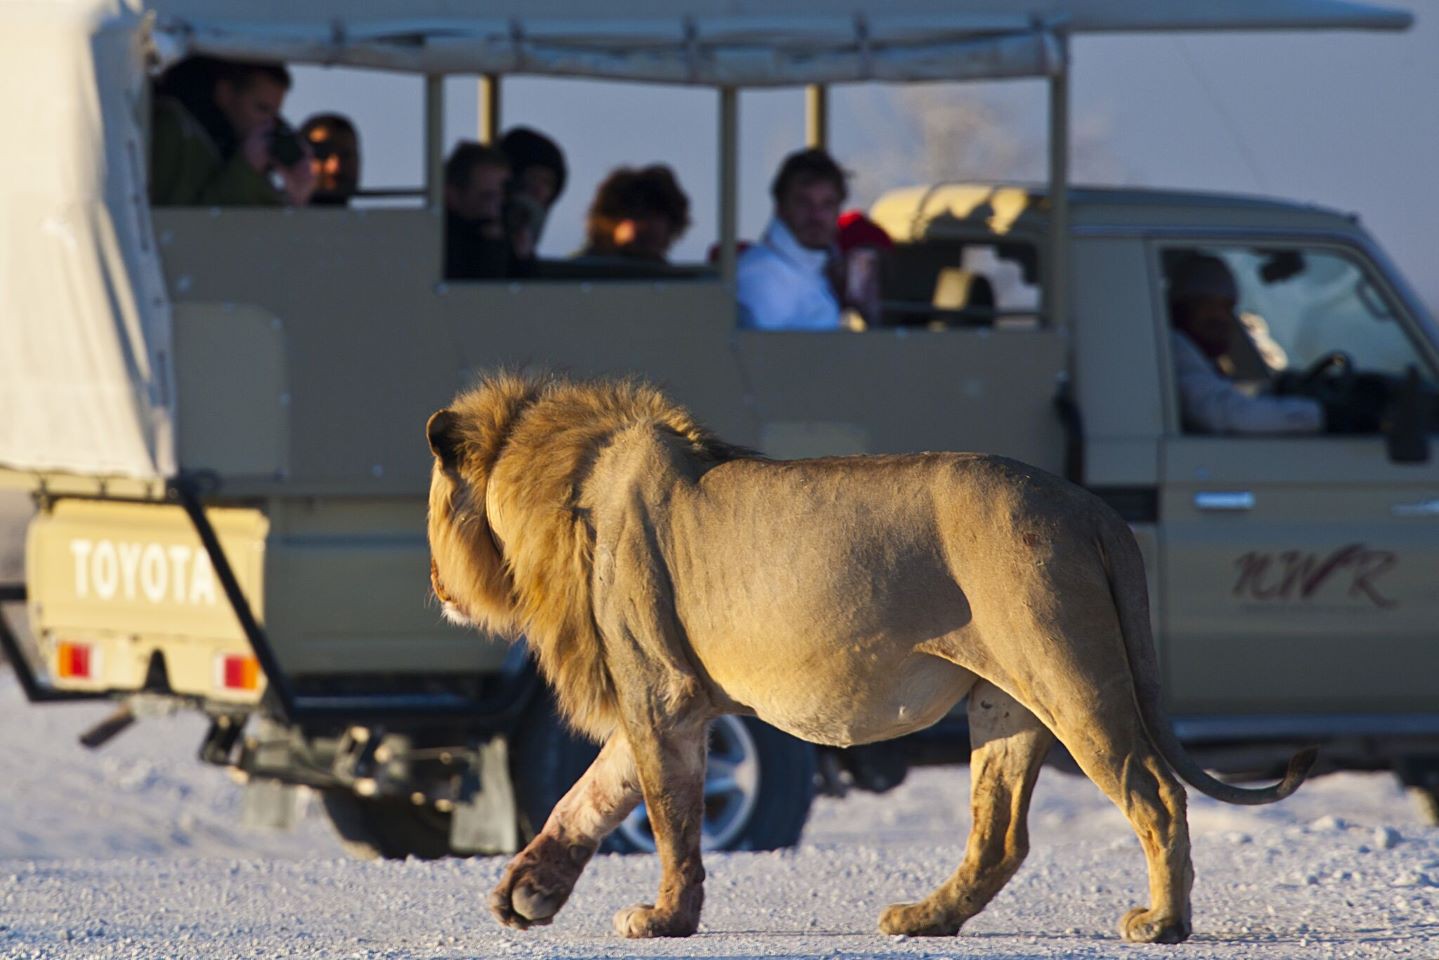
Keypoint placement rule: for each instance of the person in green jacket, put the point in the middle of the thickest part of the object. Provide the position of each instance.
(214, 139)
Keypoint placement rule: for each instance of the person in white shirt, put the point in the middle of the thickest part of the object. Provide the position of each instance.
(1202, 299)
(787, 281)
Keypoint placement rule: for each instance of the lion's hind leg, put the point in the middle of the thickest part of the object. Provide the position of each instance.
(1105, 734)
(1009, 745)
(1142, 786)
(539, 879)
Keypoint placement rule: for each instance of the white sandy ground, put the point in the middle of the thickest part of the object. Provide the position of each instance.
(135, 851)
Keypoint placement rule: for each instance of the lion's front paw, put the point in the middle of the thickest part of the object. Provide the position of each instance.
(535, 885)
(643, 920)
(1145, 926)
(917, 920)
(523, 905)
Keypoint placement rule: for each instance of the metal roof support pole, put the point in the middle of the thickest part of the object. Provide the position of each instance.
(489, 108)
(278, 689)
(728, 180)
(1056, 287)
(816, 116)
(435, 141)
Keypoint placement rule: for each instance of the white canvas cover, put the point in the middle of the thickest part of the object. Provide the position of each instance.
(85, 384)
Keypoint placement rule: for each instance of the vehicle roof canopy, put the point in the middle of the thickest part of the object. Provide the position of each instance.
(738, 43)
(86, 373)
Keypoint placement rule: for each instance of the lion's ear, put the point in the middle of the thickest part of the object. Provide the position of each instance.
(444, 435)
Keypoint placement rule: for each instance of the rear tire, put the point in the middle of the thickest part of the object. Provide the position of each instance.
(376, 828)
(545, 761)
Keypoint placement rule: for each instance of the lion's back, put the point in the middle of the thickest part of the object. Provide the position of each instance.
(854, 538)
(863, 539)
(901, 491)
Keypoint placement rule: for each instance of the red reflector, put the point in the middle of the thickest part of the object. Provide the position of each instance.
(239, 672)
(73, 660)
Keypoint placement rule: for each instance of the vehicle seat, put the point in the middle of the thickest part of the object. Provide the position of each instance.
(958, 289)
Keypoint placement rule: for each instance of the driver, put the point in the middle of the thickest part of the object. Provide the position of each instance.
(1202, 298)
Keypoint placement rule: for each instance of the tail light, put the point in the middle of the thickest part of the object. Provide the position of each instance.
(237, 672)
(77, 661)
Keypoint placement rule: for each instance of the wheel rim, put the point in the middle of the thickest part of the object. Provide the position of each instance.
(731, 790)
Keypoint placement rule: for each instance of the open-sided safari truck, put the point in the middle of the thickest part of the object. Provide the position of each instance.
(220, 410)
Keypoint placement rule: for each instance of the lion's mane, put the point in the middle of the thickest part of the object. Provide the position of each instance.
(526, 445)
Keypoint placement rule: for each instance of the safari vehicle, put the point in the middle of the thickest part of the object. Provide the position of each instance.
(220, 411)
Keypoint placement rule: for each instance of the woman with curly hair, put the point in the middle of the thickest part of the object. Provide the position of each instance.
(637, 214)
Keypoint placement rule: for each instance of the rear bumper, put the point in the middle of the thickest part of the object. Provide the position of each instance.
(128, 585)
(211, 603)
(37, 689)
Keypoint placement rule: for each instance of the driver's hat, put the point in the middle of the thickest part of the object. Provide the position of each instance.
(1200, 275)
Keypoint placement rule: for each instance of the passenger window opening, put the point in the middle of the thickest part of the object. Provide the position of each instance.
(589, 198)
(388, 111)
(362, 136)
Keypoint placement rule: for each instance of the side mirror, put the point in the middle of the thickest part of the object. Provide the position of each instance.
(1406, 427)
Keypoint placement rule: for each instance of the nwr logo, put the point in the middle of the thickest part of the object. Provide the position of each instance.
(107, 570)
(1300, 575)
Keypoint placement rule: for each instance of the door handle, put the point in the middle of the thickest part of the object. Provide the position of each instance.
(1226, 500)
(1421, 508)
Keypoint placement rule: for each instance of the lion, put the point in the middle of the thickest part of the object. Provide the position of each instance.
(663, 577)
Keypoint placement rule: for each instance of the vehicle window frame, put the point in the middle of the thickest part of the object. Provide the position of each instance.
(1351, 249)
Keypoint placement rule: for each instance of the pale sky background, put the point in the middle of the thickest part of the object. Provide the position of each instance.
(1344, 120)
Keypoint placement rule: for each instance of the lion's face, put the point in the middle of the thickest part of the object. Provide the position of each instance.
(467, 573)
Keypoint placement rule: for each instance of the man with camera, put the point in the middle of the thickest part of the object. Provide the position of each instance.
(218, 138)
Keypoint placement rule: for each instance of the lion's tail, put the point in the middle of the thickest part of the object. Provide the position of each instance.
(1125, 568)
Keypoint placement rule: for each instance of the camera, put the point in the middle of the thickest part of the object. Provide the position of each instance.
(522, 213)
(285, 147)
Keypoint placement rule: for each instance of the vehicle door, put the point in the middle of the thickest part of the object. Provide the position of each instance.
(1301, 572)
